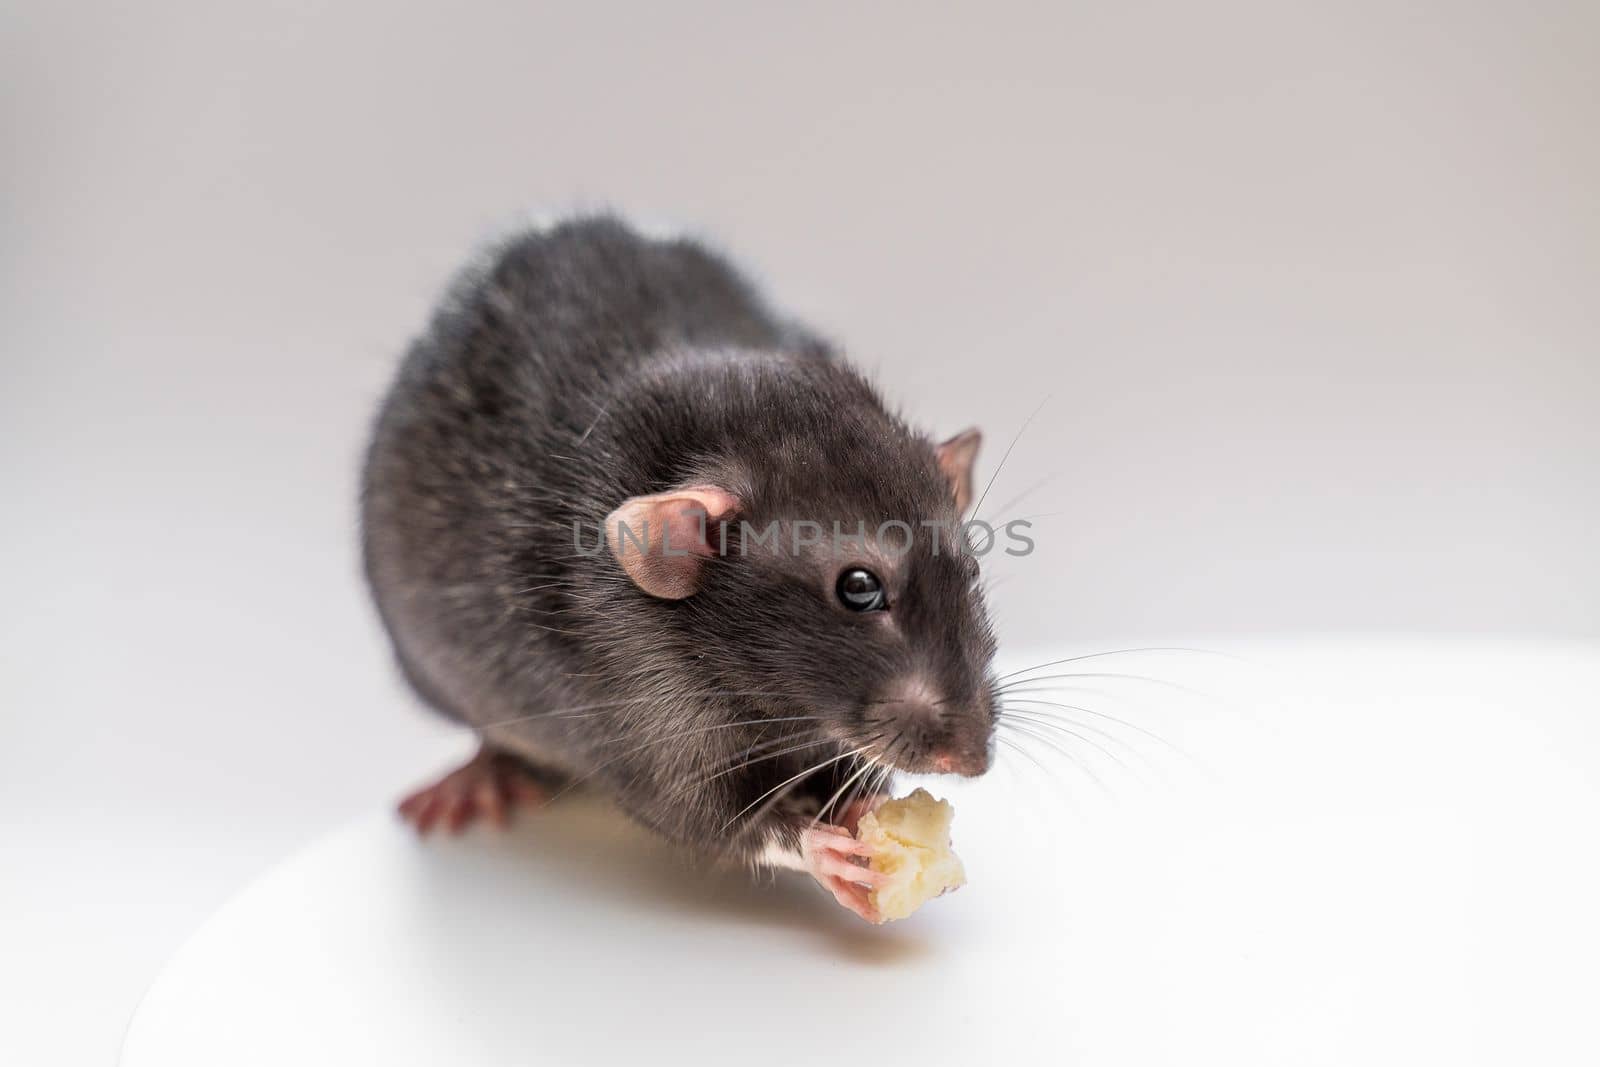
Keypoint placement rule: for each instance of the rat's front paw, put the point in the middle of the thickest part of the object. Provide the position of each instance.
(850, 817)
(838, 862)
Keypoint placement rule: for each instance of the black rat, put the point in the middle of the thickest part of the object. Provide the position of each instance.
(643, 534)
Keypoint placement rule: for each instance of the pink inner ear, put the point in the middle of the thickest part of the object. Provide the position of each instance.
(957, 457)
(663, 540)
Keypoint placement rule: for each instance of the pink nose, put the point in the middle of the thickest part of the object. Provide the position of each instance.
(957, 762)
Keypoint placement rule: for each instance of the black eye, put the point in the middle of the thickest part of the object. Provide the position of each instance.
(860, 590)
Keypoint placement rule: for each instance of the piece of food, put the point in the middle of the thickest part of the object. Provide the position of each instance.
(910, 839)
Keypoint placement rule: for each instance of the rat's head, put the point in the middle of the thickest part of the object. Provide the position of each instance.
(830, 581)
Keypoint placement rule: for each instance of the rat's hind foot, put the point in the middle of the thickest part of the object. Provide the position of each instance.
(488, 785)
(837, 861)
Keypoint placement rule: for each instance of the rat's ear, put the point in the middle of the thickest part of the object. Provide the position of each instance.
(956, 457)
(663, 540)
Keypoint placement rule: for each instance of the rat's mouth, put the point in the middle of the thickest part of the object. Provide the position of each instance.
(967, 763)
(913, 755)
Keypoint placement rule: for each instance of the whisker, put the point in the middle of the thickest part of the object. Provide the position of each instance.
(1071, 757)
(1048, 722)
(1103, 715)
(586, 711)
(873, 783)
(737, 765)
(977, 508)
(784, 751)
(1112, 652)
(1034, 488)
(882, 784)
(1182, 753)
(826, 808)
(1017, 748)
(658, 740)
(1125, 677)
(1050, 725)
(790, 781)
(712, 727)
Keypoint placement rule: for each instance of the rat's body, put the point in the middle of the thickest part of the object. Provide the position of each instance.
(586, 376)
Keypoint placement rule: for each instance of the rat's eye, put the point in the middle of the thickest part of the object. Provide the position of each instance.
(860, 590)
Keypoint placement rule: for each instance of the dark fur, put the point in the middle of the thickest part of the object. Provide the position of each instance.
(585, 365)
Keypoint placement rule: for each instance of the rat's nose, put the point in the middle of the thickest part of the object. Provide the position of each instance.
(934, 735)
(946, 761)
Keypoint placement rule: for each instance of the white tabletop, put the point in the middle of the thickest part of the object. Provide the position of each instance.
(1365, 854)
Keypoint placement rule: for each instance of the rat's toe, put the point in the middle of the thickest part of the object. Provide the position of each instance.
(832, 839)
(488, 785)
(489, 797)
(843, 869)
(853, 897)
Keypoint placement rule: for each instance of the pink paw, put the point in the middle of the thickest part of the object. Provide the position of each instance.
(850, 818)
(488, 785)
(839, 864)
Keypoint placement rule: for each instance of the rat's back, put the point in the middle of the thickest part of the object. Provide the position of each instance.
(489, 415)
(591, 296)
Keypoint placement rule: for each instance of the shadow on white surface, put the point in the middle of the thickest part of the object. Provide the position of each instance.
(582, 849)
(1378, 867)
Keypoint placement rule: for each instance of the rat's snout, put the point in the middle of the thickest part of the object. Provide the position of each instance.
(923, 734)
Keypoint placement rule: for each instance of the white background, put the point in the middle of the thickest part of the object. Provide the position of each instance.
(1309, 289)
